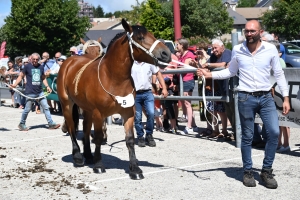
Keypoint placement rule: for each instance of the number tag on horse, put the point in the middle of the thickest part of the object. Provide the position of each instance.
(127, 101)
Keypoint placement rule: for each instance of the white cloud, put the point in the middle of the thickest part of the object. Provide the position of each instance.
(113, 5)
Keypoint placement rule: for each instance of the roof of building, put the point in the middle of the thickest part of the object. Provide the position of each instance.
(104, 25)
(238, 19)
(251, 13)
(106, 35)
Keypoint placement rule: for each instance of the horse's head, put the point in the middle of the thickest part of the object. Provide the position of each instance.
(146, 47)
(92, 47)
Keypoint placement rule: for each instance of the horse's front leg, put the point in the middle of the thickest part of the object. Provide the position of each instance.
(98, 140)
(134, 171)
(87, 126)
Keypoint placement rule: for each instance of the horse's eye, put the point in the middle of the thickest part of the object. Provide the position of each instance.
(141, 37)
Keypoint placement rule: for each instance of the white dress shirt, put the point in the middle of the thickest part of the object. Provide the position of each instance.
(254, 70)
(142, 75)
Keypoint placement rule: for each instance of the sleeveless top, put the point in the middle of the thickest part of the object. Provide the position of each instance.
(187, 76)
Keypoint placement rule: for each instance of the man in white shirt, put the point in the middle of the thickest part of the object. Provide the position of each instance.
(142, 76)
(254, 59)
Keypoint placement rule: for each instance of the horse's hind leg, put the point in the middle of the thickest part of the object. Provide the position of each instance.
(98, 139)
(87, 125)
(72, 124)
(134, 171)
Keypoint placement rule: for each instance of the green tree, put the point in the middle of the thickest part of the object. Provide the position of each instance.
(107, 15)
(246, 3)
(98, 12)
(153, 19)
(283, 19)
(117, 14)
(206, 18)
(133, 16)
(44, 25)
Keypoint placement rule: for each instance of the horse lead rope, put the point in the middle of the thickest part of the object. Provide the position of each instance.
(34, 98)
(149, 52)
(101, 82)
(203, 94)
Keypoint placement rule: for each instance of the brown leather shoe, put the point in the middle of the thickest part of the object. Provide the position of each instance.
(54, 126)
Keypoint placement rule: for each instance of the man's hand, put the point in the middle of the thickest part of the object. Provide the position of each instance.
(43, 60)
(164, 92)
(47, 73)
(193, 63)
(12, 85)
(286, 106)
(49, 90)
(203, 72)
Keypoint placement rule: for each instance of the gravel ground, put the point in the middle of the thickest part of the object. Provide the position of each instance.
(38, 165)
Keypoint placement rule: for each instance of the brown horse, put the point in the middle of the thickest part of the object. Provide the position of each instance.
(105, 88)
(94, 49)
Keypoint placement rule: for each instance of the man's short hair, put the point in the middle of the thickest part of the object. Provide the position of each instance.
(218, 42)
(276, 43)
(267, 36)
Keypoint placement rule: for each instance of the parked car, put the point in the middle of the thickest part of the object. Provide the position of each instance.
(170, 45)
(292, 55)
(295, 42)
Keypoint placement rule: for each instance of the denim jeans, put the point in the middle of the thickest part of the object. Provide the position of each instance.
(144, 100)
(263, 105)
(43, 103)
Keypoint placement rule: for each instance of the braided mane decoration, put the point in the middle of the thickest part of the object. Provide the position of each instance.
(79, 73)
(89, 43)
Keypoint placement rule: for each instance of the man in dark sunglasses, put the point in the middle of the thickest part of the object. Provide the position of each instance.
(34, 73)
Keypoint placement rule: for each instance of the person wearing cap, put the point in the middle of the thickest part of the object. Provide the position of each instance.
(73, 51)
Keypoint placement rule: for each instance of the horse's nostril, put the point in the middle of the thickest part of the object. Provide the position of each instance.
(165, 56)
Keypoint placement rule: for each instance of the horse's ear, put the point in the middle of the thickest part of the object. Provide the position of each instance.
(82, 41)
(126, 26)
(99, 39)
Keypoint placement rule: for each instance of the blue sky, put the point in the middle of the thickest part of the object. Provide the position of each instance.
(107, 5)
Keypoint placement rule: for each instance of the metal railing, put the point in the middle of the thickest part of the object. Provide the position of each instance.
(224, 98)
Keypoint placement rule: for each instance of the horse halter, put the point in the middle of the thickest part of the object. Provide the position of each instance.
(149, 52)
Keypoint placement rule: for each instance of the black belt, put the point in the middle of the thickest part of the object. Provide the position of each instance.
(142, 91)
(256, 94)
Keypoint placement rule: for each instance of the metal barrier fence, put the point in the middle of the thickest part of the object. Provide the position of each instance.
(224, 98)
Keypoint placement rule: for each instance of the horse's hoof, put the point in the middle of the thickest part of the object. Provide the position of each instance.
(64, 128)
(136, 176)
(99, 170)
(78, 163)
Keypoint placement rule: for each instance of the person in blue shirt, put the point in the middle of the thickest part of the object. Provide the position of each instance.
(46, 62)
(281, 47)
(35, 76)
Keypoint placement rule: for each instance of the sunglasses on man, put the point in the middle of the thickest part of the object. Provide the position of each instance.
(61, 60)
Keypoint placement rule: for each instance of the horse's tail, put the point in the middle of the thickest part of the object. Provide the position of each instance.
(75, 116)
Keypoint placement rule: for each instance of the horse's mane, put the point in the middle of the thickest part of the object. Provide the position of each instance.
(90, 43)
(137, 30)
